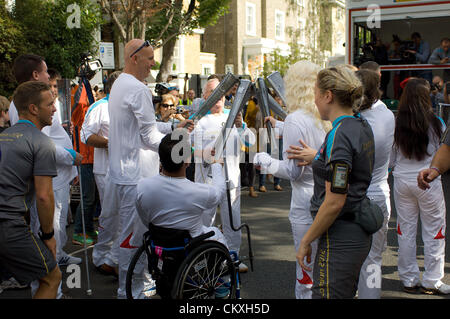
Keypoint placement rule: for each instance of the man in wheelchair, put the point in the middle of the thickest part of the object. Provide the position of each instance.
(172, 206)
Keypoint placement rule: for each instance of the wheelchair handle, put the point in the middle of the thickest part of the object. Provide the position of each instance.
(199, 239)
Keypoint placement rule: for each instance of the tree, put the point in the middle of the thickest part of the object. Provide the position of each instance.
(318, 32)
(162, 21)
(59, 30)
(11, 45)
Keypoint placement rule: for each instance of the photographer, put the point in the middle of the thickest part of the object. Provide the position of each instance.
(441, 55)
(437, 91)
(167, 110)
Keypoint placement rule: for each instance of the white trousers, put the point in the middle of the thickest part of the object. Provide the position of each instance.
(130, 230)
(62, 198)
(412, 203)
(303, 282)
(369, 285)
(106, 250)
(233, 238)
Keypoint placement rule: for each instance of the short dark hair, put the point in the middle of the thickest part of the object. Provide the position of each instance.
(110, 81)
(445, 40)
(29, 93)
(25, 65)
(416, 35)
(214, 76)
(54, 74)
(165, 152)
(370, 65)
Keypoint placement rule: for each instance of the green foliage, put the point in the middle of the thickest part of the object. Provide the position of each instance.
(47, 33)
(11, 45)
(40, 27)
(318, 33)
(179, 20)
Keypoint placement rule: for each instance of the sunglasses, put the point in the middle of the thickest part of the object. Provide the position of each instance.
(144, 45)
(167, 105)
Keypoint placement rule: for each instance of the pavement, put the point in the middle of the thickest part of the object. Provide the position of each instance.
(274, 255)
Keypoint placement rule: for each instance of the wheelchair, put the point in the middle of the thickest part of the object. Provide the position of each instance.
(183, 267)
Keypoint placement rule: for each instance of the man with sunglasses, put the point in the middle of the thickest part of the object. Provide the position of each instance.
(132, 127)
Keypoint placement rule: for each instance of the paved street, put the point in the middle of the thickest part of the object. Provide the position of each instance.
(274, 261)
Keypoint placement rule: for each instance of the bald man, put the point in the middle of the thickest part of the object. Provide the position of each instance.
(132, 127)
(206, 132)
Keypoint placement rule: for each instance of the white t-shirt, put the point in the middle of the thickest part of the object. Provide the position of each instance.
(205, 134)
(132, 127)
(297, 125)
(177, 202)
(408, 169)
(382, 122)
(96, 121)
(64, 159)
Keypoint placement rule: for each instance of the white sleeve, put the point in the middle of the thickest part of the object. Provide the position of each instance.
(145, 115)
(62, 155)
(13, 114)
(139, 202)
(164, 127)
(91, 124)
(285, 168)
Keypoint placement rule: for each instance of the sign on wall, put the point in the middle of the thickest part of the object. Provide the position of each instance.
(106, 51)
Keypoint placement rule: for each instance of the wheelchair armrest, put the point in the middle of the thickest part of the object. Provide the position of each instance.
(199, 239)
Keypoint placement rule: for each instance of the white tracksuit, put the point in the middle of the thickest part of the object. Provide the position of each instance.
(132, 127)
(382, 122)
(205, 134)
(412, 203)
(96, 122)
(298, 125)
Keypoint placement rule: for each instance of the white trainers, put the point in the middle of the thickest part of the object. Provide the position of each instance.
(243, 268)
(69, 260)
(11, 283)
(443, 289)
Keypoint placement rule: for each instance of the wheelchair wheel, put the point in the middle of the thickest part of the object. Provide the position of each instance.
(139, 281)
(208, 272)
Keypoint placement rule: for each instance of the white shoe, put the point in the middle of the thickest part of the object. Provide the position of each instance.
(149, 286)
(243, 268)
(69, 260)
(443, 289)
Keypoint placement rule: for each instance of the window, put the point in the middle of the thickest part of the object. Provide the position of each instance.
(279, 25)
(250, 18)
(207, 69)
(302, 31)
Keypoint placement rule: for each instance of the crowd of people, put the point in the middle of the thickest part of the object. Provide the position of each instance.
(336, 147)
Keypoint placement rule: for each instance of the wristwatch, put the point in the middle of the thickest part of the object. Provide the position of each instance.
(46, 236)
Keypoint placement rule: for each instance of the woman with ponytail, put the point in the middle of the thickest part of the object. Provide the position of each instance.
(342, 170)
(416, 139)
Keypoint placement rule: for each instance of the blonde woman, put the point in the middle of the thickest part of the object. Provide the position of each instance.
(303, 122)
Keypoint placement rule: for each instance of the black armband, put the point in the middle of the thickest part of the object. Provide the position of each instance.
(46, 236)
(339, 178)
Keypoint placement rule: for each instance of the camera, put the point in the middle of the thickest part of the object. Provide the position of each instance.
(180, 110)
(435, 87)
(88, 66)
